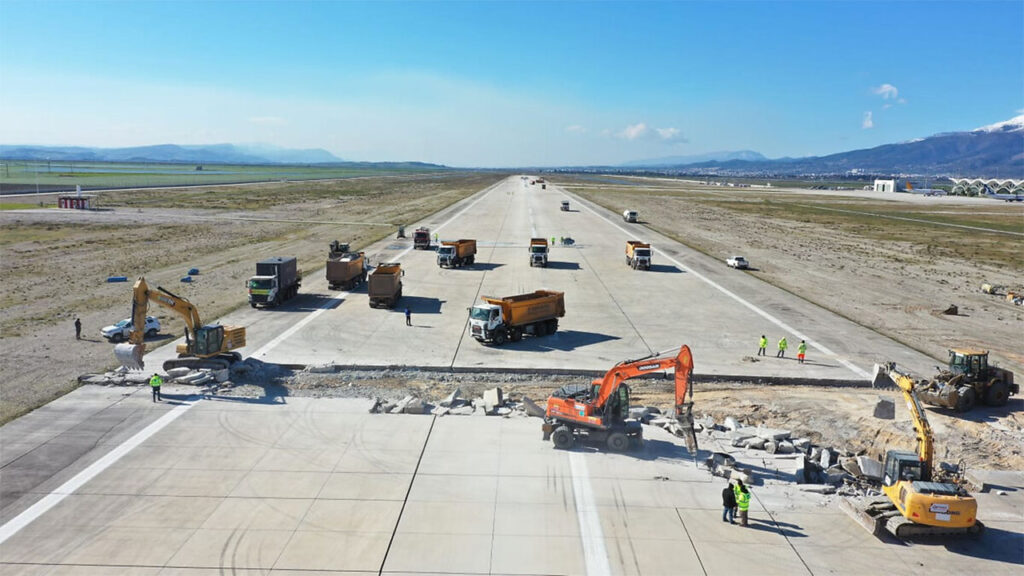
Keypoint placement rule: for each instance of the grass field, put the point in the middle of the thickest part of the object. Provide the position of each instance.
(24, 176)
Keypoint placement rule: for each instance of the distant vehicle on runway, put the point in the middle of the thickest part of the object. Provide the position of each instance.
(630, 216)
(421, 239)
(738, 262)
(121, 330)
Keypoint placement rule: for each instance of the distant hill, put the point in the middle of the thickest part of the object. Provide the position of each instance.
(983, 152)
(173, 153)
(696, 158)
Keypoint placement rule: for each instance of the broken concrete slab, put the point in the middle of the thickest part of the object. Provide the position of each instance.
(462, 411)
(451, 398)
(850, 465)
(731, 423)
(817, 488)
(757, 443)
(493, 398)
(772, 433)
(825, 460)
(221, 375)
(869, 467)
(785, 447)
(322, 369)
(532, 409)
(801, 444)
(178, 372)
(885, 409)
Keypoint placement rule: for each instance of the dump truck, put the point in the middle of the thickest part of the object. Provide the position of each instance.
(630, 216)
(638, 255)
(277, 280)
(966, 381)
(385, 287)
(345, 269)
(498, 320)
(538, 252)
(421, 239)
(451, 254)
(565, 206)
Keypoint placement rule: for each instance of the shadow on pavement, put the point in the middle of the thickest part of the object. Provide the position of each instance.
(665, 269)
(418, 305)
(564, 340)
(553, 265)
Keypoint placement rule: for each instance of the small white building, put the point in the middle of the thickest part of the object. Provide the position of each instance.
(885, 185)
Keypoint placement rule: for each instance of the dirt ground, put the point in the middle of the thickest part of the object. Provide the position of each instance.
(55, 262)
(890, 265)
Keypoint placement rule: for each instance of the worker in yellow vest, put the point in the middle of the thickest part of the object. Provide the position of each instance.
(742, 500)
(155, 383)
(801, 352)
(782, 348)
(762, 345)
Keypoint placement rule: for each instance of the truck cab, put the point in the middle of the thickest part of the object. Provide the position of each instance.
(539, 252)
(421, 238)
(445, 254)
(484, 319)
(263, 290)
(565, 206)
(630, 216)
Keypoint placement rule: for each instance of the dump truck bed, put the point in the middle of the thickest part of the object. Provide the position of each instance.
(344, 267)
(463, 248)
(528, 308)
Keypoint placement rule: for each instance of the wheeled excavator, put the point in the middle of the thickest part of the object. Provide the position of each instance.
(600, 412)
(209, 347)
(914, 503)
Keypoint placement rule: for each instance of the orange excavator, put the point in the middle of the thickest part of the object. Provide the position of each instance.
(600, 412)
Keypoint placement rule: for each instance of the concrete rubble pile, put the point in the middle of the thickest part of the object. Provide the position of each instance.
(816, 468)
(492, 403)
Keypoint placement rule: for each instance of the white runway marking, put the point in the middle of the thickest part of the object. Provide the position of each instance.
(595, 555)
(66, 489)
(822, 348)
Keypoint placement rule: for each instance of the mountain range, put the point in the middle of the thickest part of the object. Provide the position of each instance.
(989, 151)
(173, 153)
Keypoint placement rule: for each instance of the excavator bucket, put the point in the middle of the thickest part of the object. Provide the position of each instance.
(881, 378)
(685, 419)
(130, 355)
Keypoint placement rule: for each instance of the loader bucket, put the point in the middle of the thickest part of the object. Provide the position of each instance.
(881, 378)
(130, 355)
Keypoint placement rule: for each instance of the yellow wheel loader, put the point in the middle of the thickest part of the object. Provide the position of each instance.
(914, 503)
(967, 381)
(205, 346)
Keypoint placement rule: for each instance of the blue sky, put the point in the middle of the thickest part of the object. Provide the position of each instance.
(502, 84)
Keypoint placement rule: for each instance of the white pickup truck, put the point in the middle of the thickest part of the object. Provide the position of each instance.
(738, 262)
(123, 329)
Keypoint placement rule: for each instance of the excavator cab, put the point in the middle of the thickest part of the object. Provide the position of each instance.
(902, 466)
(209, 340)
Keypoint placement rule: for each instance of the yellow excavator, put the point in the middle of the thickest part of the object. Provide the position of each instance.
(914, 504)
(208, 347)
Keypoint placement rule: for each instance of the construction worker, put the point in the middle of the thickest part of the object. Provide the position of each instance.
(155, 382)
(782, 348)
(801, 351)
(728, 504)
(408, 316)
(762, 346)
(552, 241)
(742, 500)
(435, 237)
(78, 328)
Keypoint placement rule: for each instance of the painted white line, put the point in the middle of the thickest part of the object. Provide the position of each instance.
(595, 555)
(333, 300)
(786, 327)
(78, 480)
(920, 220)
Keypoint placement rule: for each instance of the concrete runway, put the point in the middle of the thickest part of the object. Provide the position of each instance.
(613, 313)
(286, 486)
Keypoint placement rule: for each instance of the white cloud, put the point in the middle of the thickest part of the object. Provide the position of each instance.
(901, 101)
(576, 129)
(267, 121)
(633, 131)
(667, 133)
(868, 121)
(887, 91)
(886, 106)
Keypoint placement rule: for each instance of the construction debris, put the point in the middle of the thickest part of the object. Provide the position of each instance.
(532, 409)
(885, 409)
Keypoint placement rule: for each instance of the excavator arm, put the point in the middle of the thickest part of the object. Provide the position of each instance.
(130, 354)
(681, 363)
(887, 373)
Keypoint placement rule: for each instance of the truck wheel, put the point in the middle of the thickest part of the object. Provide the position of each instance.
(515, 335)
(253, 304)
(966, 399)
(997, 394)
(618, 442)
(562, 438)
(499, 337)
(471, 260)
(540, 329)
(552, 326)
